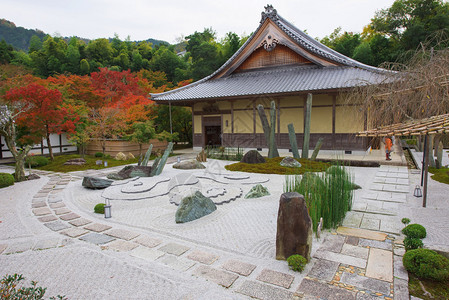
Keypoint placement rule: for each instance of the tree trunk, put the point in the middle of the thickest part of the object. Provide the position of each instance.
(50, 150)
(140, 150)
(19, 174)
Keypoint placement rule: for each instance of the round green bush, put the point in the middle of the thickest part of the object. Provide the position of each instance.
(427, 264)
(98, 154)
(99, 208)
(412, 243)
(36, 161)
(6, 180)
(405, 221)
(297, 262)
(415, 231)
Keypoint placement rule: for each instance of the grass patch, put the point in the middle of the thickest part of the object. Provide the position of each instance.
(272, 166)
(440, 175)
(438, 290)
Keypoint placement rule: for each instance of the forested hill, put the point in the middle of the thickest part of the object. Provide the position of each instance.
(20, 37)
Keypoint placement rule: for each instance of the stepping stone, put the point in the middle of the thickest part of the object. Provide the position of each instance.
(353, 219)
(341, 258)
(366, 283)
(276, 278)
(386, 245)
(69, 217)
(147, 254)
(401, 290)
(362, 233)
(122, 234)
(324, 269)
(74, 232)
(42, 211)
(355, 251)
(47, 218)
(56, 225)
(203, 257)
(263, 291)
(61, 211)
(223, 278)
(148, 241)
(239, 267)
(46, 244)
(18, 247)
(3, 247)
(57, 205)
(371, 224)
(80, 222)
(96, 238)
(176, 263)
(380, 264)
(97, 227)
(324, 291)
(38, 204)
(174, 249)
(352, 240)
(333, 243)
(121, 246)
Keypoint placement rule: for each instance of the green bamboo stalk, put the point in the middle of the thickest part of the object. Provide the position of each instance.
(305, 145)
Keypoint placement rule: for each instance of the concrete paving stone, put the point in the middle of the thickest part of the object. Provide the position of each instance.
(3, 247)
(18, 247)
(54, 199)
(176, 263)
(46, 244)
(397, 251)
(277, 278)
(47, 218)
(386, 245)
(393, 227)
(374, 204)
(371, 224)
(74, 232)
(352, 240)
(365, 296)
(324, 269)
(97, 227)
(220, 277)
(70, 216)
(362, 233)
(203, 257)
(324, 291)
(401, 289)
(366, 283)
(353, 219)
(61, 211)
(80, 222)
(146, 253)
(398, 268)
(96, 238)
(390, 206)
(403, 181)
(380, 264)
(42, 211)
(57, 205)
(333, 243)
(122, 234)
(39, 199)
(121, 246)
(147, 241)
(41, 195)
(175, 249)
(263, 291)
(341, 258)
(56, 225)
(38, 204)
(355, 251)
(238, 267)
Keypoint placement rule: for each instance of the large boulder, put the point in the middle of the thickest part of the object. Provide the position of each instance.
(294, 227)
(257, 191)
(194, 207)
(131, 171)
(96, 183)
(253, 157)
(189, 165)
(120, 156)
(290, 162)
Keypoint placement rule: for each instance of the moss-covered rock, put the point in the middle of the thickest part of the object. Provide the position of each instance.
(194, 207)
(257, 191)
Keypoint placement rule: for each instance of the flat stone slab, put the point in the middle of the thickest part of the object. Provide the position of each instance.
(70, 216)
(353, 219)
(97, 227)
(371, 224)
(148, 241)
(96, 238)
(174, 249)
(56, 225)
(203, 257)
(380, 264)
(386, 245)
(333, 243)
(176, 263)
(223, 278)
(352, 240)
(238, 267)
(61, 211)
(398, 268)
(3, 247)
(146, 253)
(324, 269)
(122, 234)
(47, 218)
(80, 222)
(18, 247)
(324, 291)
(121, 246)
(366, 283)
(74, 232)
(276, 278)
(38, 204)
(57, 205)
(401, 289)
(362, 233)
(341, 258)
(355, 251)
(41, 211)
(46, 244)
(263, 291)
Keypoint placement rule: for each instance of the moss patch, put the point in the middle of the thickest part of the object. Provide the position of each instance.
(440, 175)
(439, 290)
(272, 166)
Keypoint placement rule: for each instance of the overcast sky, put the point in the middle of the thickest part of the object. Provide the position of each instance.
(170, 19)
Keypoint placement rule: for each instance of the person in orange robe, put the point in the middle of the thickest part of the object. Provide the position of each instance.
(388, 144)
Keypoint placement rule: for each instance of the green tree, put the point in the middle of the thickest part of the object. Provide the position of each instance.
(363, 53)
(99, 53)
(142, 133)
(165, 60)
(6, 52)
(202, 48)
(181, 121)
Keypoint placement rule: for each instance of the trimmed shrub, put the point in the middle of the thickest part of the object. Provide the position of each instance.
(427, 264)
(98, 154)
(412, 243)
(36, 161)
(99, 208)
(297, 262)
(415, 231)
(6, 180)
(405, 221)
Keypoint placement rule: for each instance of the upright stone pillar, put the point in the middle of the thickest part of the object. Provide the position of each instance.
(305, 145)
(292, 138)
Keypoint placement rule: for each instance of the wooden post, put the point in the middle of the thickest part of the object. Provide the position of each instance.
(423, 160)
(426, 172)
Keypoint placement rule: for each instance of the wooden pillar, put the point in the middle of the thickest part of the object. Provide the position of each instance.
(278, 104)
(334, 108)
(426, 171)
(232, 117)
(60, 144)
(193, 125)
(254, 124)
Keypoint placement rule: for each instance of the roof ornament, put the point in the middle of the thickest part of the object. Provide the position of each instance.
(269, 44)
(269, 12)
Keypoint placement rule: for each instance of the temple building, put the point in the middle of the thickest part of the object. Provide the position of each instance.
(278, 63)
